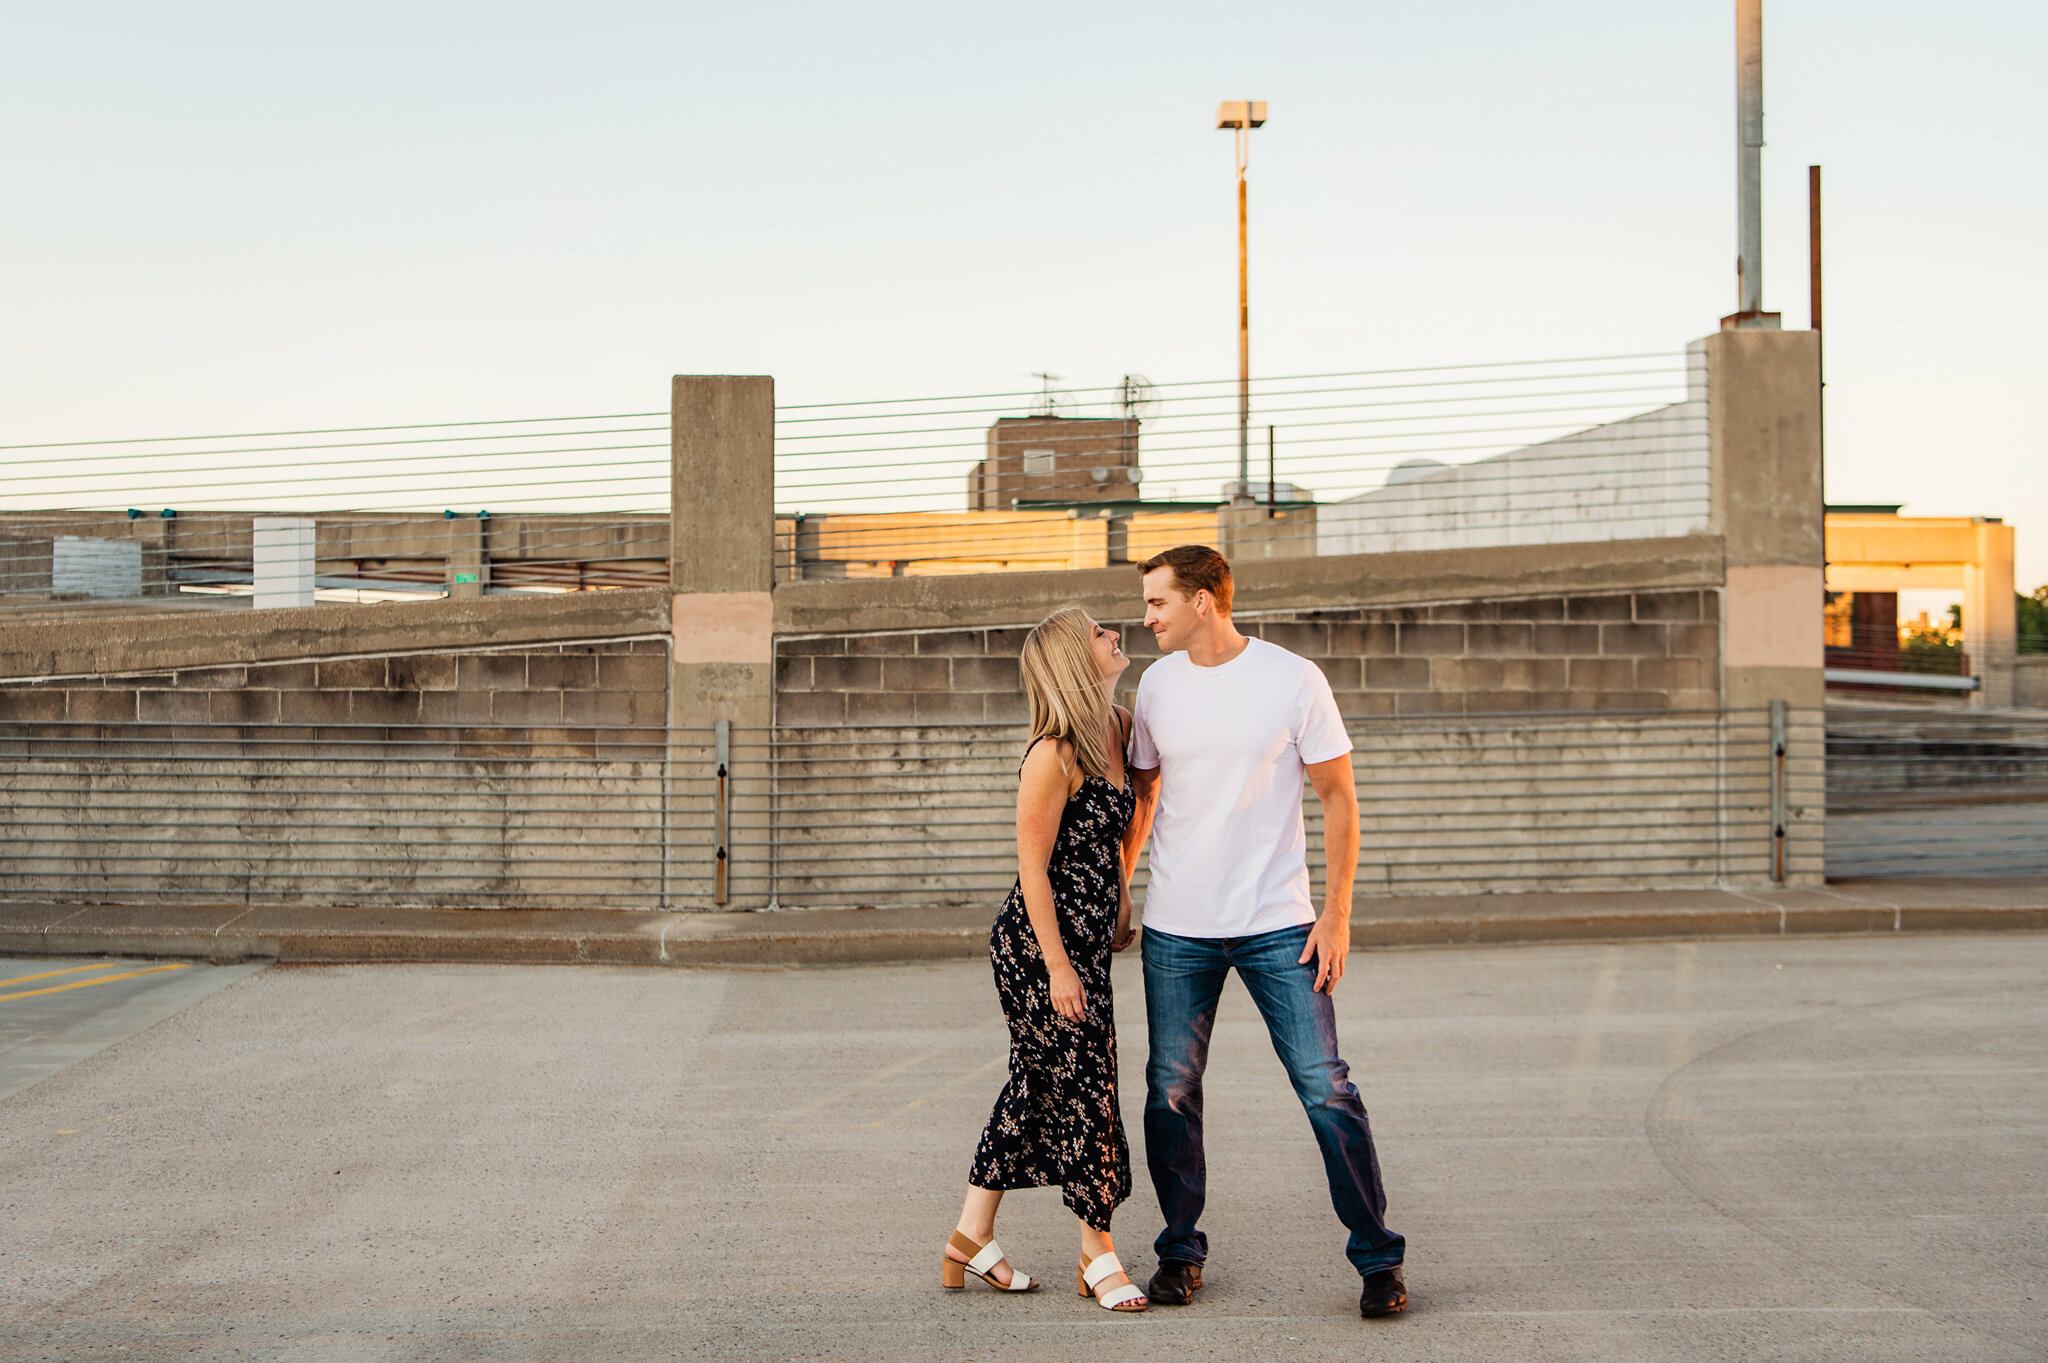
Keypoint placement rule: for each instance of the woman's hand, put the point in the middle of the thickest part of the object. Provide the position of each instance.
(1069, 1000)
(1125, 933)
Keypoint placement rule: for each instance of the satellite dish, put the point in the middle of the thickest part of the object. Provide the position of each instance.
(1414, 470)
(1136, 396)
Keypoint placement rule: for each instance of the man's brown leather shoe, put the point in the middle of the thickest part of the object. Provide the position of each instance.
(1385, 1293)
(1175, 1284)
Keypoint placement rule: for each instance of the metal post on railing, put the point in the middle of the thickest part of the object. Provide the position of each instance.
(1778, 791)
(723, 758)
(668, 821)
(1272, 477)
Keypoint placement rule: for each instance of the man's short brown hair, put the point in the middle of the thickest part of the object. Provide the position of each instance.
(1196, 568)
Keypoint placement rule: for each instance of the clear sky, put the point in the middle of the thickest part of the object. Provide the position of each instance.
(227, 217)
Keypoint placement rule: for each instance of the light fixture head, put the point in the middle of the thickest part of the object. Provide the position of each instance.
(1241, 113)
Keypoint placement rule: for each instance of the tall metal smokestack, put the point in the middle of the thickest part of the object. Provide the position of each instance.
(1749, 133)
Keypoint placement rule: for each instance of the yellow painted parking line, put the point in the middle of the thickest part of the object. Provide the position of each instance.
(50, 974)
(86, 984)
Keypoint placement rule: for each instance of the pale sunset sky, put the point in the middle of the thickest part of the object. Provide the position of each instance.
(238, 217)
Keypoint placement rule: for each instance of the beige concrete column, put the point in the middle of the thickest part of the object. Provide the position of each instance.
(469, 566)
(1763, 414)
(722, 662)
(1990, 620)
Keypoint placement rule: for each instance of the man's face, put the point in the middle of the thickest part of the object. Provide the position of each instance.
(1171, 617)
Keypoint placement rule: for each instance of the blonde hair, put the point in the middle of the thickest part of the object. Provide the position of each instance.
(1069, 703)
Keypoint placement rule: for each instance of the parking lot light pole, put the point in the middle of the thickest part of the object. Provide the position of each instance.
(1241, 116)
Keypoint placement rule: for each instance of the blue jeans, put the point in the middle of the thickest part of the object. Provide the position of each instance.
(1183, 980)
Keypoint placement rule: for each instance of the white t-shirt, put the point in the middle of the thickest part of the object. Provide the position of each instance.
(1229, 853)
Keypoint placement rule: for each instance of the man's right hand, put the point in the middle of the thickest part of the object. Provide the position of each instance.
(1069, 1000)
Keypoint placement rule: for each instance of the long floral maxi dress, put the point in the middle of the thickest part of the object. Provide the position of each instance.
(1057, 1120)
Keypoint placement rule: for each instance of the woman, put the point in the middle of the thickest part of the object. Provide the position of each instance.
(1057, 1120)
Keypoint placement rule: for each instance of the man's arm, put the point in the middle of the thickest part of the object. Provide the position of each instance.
(1145, 787)
(1329, 942)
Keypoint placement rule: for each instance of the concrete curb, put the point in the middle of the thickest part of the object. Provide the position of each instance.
(326, 935)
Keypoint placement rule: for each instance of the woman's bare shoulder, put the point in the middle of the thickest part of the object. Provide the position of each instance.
(1049, 767)
(1048, 755)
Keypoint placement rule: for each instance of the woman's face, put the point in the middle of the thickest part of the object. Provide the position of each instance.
(1108, 648)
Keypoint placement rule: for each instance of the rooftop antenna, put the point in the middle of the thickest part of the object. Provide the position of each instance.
(1136, 396)
(1049, 400)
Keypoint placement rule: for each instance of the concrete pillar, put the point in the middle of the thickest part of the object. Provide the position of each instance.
(721, 569)
(1990, 620)
(1250, 534)
(1763, 416)
(282, 554)
(469, 565)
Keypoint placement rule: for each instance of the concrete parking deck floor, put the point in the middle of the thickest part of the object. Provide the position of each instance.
(1796, 1148)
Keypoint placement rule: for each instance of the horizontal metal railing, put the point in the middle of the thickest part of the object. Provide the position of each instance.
(540, 504)
(818, 817)
(1529, 452)
(478, 816)
(897, 815)
(1609, 447)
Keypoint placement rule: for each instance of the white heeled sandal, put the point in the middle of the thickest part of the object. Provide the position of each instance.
(1092, 1272)
(981, 1262)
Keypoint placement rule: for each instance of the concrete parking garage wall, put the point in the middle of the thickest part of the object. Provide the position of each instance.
(1582, 719)
(537, 775)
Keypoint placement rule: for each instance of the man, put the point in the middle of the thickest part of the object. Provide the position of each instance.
(1225, 728)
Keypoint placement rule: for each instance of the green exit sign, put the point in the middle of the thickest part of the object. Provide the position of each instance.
(465, 577)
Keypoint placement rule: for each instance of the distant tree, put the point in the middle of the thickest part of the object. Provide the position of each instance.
(2033, 620)
(1927, 646)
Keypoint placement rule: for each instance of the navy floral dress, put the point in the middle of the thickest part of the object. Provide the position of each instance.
(1057, 1120)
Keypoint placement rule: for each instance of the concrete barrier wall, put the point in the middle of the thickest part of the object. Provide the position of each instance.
(1571, 740)
(1651, 650)
(555, 691)
(2030, 683)
(893, 815)
(399, 827)
(538, 776)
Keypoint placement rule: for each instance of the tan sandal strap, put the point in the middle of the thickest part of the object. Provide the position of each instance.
(963, 1244)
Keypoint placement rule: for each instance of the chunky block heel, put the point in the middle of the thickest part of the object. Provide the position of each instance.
(951, 1274)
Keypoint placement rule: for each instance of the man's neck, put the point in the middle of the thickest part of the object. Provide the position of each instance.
(1216, 645)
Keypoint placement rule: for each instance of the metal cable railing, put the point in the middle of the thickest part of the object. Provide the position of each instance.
(1549, 451)
(480, 816)
(816, 817)
(1527, 453)
(468, 508)
(897, 815)
(623, 817)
